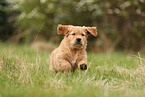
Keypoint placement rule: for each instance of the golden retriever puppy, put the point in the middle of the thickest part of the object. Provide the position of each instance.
(71, 53)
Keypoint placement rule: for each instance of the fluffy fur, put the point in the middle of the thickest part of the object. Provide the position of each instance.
(71, 53)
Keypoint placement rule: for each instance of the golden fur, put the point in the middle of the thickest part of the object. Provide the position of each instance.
(71, 53)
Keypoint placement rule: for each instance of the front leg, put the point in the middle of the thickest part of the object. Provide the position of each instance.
(82, 65)
(63, 65)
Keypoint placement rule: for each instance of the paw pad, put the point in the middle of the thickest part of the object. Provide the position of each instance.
(83, 66)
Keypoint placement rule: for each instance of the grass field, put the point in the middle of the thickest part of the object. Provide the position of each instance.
(24, 72)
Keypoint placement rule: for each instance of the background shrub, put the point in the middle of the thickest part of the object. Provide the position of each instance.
(120, 23)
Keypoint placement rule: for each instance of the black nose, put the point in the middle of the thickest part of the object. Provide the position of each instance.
(78, 39)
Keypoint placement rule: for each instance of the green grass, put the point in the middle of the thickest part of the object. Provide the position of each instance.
(24, 72)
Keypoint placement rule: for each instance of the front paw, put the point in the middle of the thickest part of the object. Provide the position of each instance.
(83, 66)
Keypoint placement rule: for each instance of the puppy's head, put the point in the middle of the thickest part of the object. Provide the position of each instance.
(76, 35)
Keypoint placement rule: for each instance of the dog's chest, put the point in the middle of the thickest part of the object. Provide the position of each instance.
(73, 57)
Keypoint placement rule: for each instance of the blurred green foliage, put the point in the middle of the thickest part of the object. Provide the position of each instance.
(120, 23)
(7, 20)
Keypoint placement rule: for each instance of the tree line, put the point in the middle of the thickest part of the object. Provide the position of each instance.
(120, 23)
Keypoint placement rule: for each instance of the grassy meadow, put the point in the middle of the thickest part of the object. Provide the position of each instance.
(24, 72)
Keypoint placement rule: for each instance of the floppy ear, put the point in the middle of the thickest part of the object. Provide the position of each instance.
(92, 30)
(62, 29)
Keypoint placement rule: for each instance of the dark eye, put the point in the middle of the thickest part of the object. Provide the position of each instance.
(83, 35)
(73, 34)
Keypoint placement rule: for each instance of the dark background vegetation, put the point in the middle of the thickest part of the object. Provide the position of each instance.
(120, 23)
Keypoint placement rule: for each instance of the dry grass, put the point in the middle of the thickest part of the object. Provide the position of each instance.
(43, 45)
